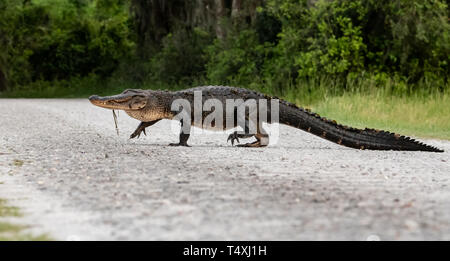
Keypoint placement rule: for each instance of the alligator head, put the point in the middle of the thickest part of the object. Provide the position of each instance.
(128, 100)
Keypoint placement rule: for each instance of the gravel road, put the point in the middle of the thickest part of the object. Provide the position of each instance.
(63, 164)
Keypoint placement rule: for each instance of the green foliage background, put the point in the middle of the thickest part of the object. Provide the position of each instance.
(56, 47)
(47, 41)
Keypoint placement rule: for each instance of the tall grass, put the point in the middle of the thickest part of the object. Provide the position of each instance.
(408, 115)
(422, 111)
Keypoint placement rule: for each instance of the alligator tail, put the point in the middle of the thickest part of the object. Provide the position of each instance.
(370, 139)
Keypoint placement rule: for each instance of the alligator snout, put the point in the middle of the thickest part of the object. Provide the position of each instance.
(97, 100)
(94, 97)
(118, 102)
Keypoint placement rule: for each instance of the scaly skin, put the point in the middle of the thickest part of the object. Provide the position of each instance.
(150, 106)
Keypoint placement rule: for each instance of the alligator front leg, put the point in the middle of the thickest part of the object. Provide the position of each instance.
(141, 128)
(183, 138)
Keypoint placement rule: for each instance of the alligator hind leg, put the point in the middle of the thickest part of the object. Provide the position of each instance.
(141, 128)
(262, 139)
(235, 136)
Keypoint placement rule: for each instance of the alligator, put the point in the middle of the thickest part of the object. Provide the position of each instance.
(151, 106)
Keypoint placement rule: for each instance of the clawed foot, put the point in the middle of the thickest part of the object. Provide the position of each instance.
(233, 137)
(137, 133)
(254, 144)
(179, 144)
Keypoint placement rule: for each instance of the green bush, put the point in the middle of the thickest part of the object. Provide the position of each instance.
(57, 40)
(406, 42)
(181, 58)
(341, 38)
(237, 59)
